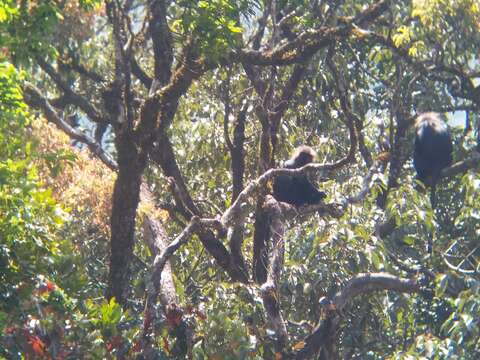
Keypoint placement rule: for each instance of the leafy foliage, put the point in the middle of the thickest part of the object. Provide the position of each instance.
(55, 198)
(214, 24)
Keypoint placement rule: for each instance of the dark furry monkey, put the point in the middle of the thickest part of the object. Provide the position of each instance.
(297, 190)
(433, 149)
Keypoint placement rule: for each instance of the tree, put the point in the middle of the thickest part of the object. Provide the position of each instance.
(194, 104)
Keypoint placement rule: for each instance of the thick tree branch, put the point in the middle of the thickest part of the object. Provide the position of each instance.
(164, 155)
(131, 158)
(281, 106)
(359, 285)
(269, 290)
(236, 213)
(140, 74)
(227, 110)
(161, 39)
(462, 166)
(256, 38)
(265, 161)
(236, 234)
(161, 259)
(290, 87)
(399, 110)
(351, 118)
(366, 283)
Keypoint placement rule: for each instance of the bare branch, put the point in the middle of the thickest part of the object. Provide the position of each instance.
(72, 64)
(462, 166)
(324, 334)
(236, 213)
(161, 259)
(34, 98)
(269, 289)
(70, 95)
(366, 283)
(140, 74)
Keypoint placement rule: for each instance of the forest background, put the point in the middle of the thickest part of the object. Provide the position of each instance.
(138, 144)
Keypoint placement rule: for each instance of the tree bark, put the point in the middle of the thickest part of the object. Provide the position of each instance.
(126, 196)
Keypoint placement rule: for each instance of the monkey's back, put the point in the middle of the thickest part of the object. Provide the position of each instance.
(296, 190)
(433, 147)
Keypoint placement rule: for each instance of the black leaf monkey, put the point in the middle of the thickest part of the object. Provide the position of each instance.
(297, 190)
(433, 149)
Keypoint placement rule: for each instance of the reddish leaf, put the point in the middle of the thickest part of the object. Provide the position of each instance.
(166, 345)
(37, 345)
(50, 286)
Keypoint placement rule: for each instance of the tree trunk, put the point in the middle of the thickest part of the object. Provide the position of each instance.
(126, 196)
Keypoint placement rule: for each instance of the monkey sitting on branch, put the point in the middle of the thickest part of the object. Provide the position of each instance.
(432, 151)
(297, 190)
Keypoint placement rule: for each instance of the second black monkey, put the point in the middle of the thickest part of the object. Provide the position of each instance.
(297, 190)
(433, 149)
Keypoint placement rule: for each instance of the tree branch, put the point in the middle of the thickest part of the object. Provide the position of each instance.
(140, 74)
(366, 283)
(72, 64)
(324, 334)
(161, 39)
(159, 263)
(309, 42)
(164, 155)
(34, 98)
(71, 96)
(269, 290)
(461, 166)
(351, 118)
(236, 234)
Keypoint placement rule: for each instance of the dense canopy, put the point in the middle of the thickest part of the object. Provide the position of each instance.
(139, 144)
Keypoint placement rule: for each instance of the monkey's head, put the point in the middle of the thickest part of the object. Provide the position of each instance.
(302, 156)
(432, 120)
